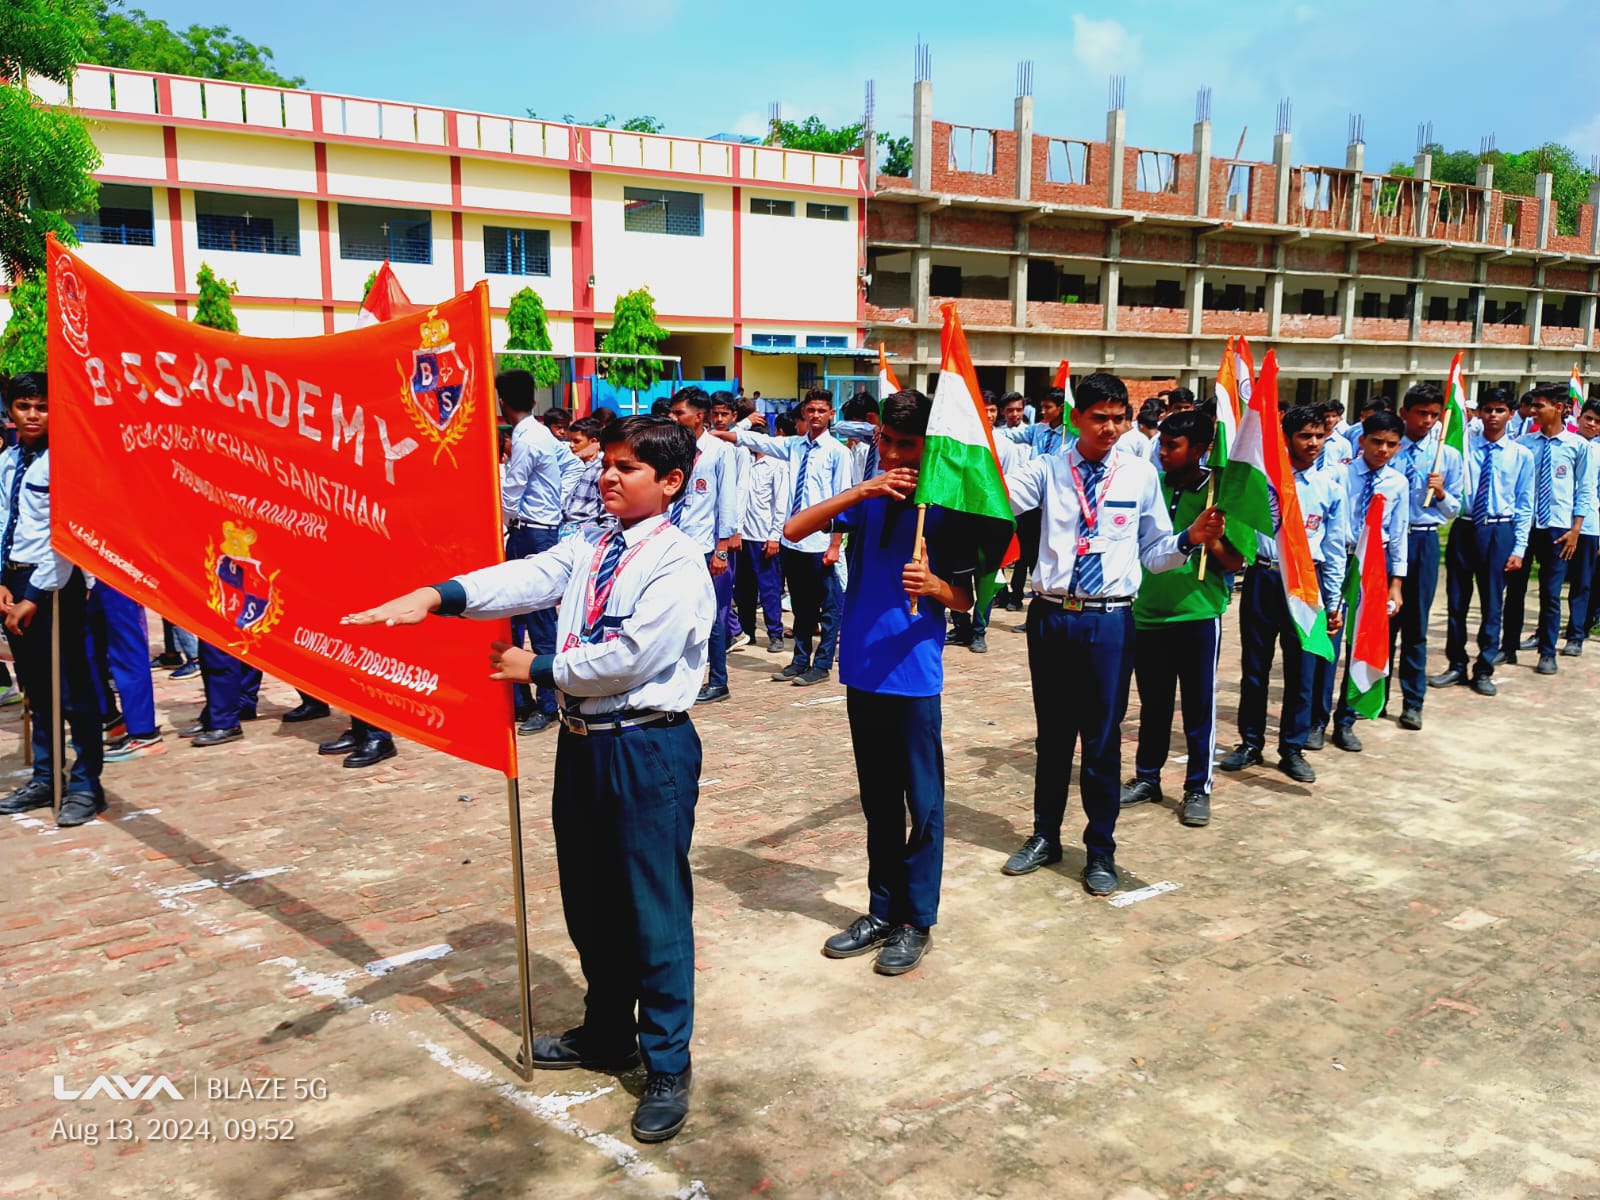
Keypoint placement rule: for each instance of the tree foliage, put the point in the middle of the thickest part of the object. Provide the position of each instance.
(214, 309)
(528, 328)
(22, 345)
(140, 42)
(46, 154)
(896, 156)
(634, 330)
(1514, 174)
(813, 134)
(640, 124)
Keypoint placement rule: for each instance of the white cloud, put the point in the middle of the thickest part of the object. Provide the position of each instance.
(1105, 46)
(1584, 138)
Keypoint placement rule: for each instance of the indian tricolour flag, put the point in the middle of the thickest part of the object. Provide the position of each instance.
(1226, 393)
(1369, 631)
(385, 300)
(1064, 382)
(1575, 391)
(960, 469)
(1258, 494)
(888, 385)
(1454, 424)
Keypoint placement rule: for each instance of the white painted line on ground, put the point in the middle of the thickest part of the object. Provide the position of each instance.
(1123, 899)
(821, 700)
(382, 966)
(139, 812)
(709, 782)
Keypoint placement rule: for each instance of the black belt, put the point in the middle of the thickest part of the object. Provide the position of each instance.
(16, 566)
(1489, 520)
(615, 722)
(517, 524)
(1086, 603)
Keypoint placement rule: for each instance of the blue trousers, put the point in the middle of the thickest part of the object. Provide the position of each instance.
(717, 650)
(623, 813)
(120, 640)
(1081, 665)
(814, 595)
(757, 575)
(1552, 574)
(539, 626)
(80, 704)
(1475, 557)
(231, 687)
(1410, 625)
(899, 752)
(1581, 608)
(358, 727)
(1166, 658)
(1264, 626)
(977, 621)
(1325, 672)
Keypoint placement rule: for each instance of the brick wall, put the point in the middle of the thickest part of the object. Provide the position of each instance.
(965, 227)
(1003, 180)
(1179, 201)
(1506, 335)
(1152, 320)
(898, 342)
(1313, 257)
(1093, 192)
(1140, 390)
(1045, 314)
(1574, 243)
(978, 312)
(1381, 329)
(1235, 252)
(889, 183)
(1448, 269)
(1086, 239)
(887, 316)
(1567, 279)
(1378, 261)
(1447, 333)
(1251, 324)
(1307, 325)
(891, 223)
(1156, 245)
(1510, 274)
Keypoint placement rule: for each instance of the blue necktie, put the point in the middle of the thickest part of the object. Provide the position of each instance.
(24, 461)
(615, 544)
(1480, 498)
(871, 468)
(799, 501)
(1088, 573)
(1366, 494)
(1546, 484)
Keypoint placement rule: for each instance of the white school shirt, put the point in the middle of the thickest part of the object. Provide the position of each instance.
(657, 619)
(827, 474)
(763, 510)
(1012, 455)
(1133, 521)
(711, 497)
(1135, 442)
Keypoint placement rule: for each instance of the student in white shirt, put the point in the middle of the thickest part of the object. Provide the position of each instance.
(708, 511)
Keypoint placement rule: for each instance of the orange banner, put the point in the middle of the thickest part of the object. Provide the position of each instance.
(253, 490)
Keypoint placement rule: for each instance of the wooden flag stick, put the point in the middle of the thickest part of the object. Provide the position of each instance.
(1438, 454)
(1211, 496)
(918, 550)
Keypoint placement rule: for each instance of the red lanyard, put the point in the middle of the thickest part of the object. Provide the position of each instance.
(595, 605)
(1091, 518)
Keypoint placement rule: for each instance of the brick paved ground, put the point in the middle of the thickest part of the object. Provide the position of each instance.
(1382, 986)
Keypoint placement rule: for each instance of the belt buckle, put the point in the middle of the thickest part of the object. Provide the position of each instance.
(574, 724)
(1072, 604)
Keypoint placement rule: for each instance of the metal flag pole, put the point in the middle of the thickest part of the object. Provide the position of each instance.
(519, 898)
(57, 750)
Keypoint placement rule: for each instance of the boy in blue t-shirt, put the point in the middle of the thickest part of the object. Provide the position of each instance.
(891, 665)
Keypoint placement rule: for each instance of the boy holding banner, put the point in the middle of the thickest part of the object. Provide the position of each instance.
(636, 606)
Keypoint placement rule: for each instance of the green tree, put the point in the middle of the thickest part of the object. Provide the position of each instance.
(46, 154)
(528, 328)
(640, 124)
(896, 156)
(366, 288)
(214, 309)
(812, 134)
(140, 42)
(634, 330)
(1514, 174)
(22, 345)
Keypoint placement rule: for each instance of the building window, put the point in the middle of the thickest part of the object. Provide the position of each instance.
(650, 210)
(248, 224)
(827, 341)
(515, 251)
(125, 217)
(828, 212)
(771, 208)
(374, 234)
(773, 341)
(1157, 171)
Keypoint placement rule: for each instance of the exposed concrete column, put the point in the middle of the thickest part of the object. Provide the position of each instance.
(1422, 165)
(1202, 168)
(1347, 297)
(1341, 392)
(1023, 113)
(1019, 273)
(1116, 141)
(869, 147)
(1485, 199)
(1196, 299)
(1355, 161)
(1536, 304)
(1110, 281)
(1281, 143)
(1016, 378)
(1418, 300)
(1482, 277)
(1543, 188)
(1589, 306)
(1275, 291)
(921, 268)
(922, 135)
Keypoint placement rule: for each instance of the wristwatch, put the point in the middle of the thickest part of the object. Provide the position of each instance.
(723, 555)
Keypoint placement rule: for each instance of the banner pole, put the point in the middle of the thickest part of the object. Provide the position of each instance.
(1211, 498)
(1438, 454)
(57, 750)
(917, 552)
(519, 898)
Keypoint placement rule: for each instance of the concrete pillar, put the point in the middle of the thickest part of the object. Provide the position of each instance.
(1016, 378)
(1023, 114)
(1589, 306)
(1275, 292)
(1347, 296)
(1196, 299)
(1202, 168)
(1422, 166)
(922, 135)
(921, 269)
(1355, 161)
(1281, 159)
(1543, 196)
(1536, 307)
(1485, 199)
(1116, 140)
(1481, 277)
(1019, 274)
(1341, 392)
(1416, 301)
(869, 147)
(1110, 281)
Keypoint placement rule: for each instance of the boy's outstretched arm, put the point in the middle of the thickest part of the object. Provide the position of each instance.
(898, 484)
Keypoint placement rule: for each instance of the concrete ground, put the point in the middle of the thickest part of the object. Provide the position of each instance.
(1382, 985)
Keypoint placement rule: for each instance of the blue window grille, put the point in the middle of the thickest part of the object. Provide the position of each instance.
(828, 212)
(516, 251)
(773, 341)
(375, 234)
(126, 217)
(113, 235)
(651, 210)
(827, 341)
(247, 224)
(763, 206)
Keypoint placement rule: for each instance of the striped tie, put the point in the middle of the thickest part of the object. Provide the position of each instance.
(799, 501)
(1366, 493)
(25, 459)
(615, 544)
(678, 505)
(1544, 496)
(1480, 498)
(1088, 573)
(871, 469)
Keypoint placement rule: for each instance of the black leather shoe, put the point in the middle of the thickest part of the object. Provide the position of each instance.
(1547, 665)
(189, 731)
(1571, 649)
(372, 752)
(979, 644)
(663, 1108)
(306, 710)
(1345, 738)
(565, 1051)
(1529, 643)
(902, 950)
(1410, 718)
(1013, 605)
(1484, 686)
(712, 695)
(1140, 792)
(536, 722)
(1316, 739)
(216, 737)
(864, 933)
(956, 637)
(1294, 765)
(1508, 658)
(79, 808)
(29, 796)
(1196, 809)
(815, 675)
(1240, 757)
(1449, 677)
(1100, 875)
(346, 743)
(1035, 853)
(789, 674)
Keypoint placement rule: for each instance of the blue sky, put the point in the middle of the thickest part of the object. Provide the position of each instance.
(1471, 67)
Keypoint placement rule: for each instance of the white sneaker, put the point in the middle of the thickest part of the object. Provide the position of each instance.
(12, 695)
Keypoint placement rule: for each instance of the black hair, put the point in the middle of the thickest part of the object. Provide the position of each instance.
(1422, 393)
(1055, 396)
(1591, 406)
(1382, 422)
(1191, 425)
(907, 412)
(659, 442)
(989, 398)
(605, 416)
(1150, 414)
(724, 400)
(660, 407)
(1179, 395)
(784, 423)
(28, 384)
(1300, 416)
(1099, 388)
(1009, 397)
(695, 397)
(1332, 408)
(1495, 395)
(818, 393)
(1378, 403)
(1551, 391)
(515, 389)
(744, 406)
(590, 427)
(859, 407)
(556, 416)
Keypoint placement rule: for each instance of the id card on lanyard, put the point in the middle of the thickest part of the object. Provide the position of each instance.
(1088, 544)
(596, 598)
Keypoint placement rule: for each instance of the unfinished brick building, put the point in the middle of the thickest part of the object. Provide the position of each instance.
(1143, 261)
